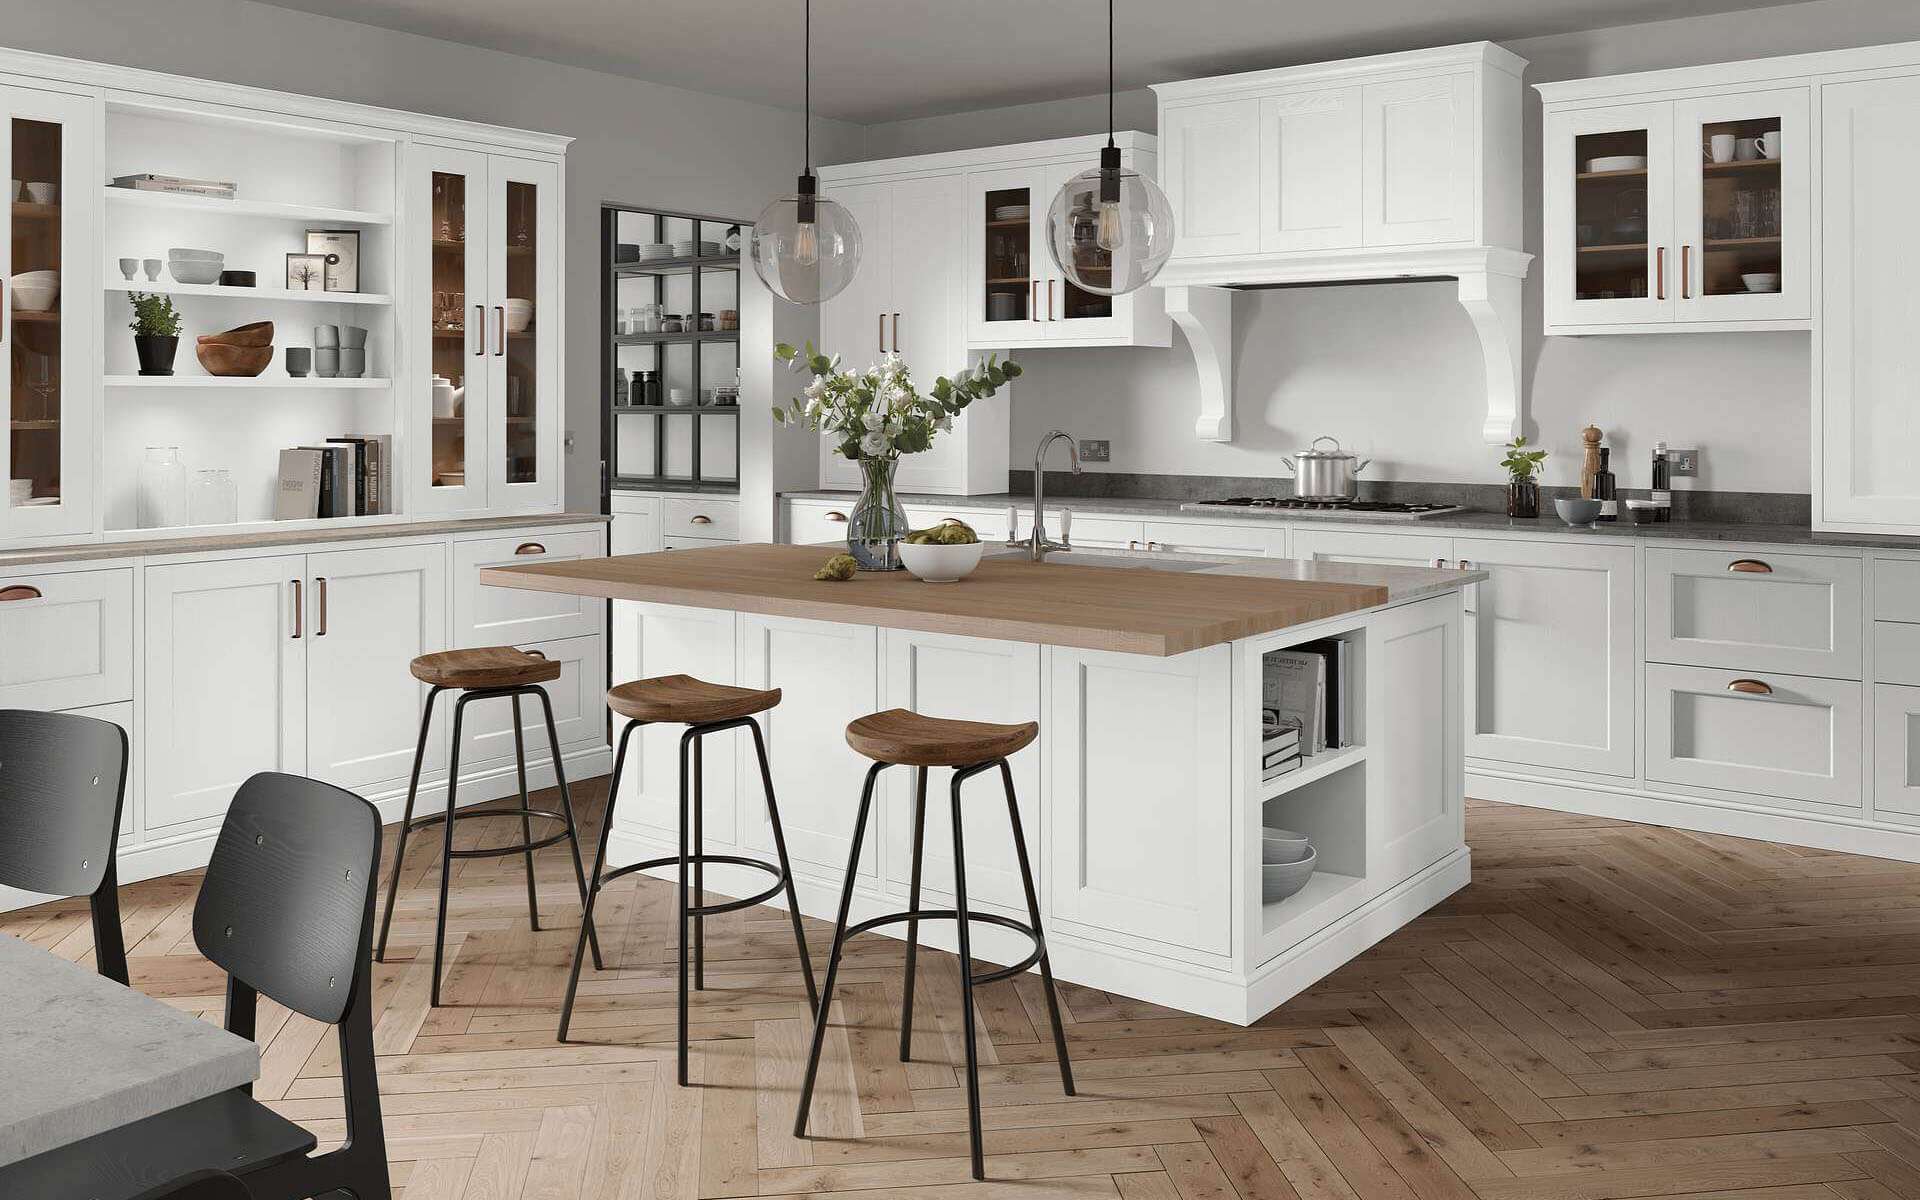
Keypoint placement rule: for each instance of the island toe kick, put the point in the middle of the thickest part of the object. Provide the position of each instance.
(1144, 793)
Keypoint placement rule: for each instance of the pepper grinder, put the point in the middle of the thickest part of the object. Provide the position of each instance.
(1591, 435)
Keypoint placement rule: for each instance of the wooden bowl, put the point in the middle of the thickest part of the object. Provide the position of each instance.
(260, 333)
(221, 359)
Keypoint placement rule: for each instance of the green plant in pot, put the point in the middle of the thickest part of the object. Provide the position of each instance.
(1523, 484)
(156, 331)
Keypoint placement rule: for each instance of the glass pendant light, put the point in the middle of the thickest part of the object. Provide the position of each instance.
(1110, 229)
(806, 247)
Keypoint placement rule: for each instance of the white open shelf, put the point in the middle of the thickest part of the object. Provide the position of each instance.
(264, 209)
(269, 382)
(1314, 767)
(1307, 910)
(248, 293)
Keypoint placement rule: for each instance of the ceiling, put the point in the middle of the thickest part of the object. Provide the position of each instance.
(883, 60)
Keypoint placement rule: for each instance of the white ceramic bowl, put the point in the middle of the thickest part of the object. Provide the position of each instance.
(42, 193)
(1617, 162)
(1762, 281)
(519, 315)
(941, 564)
(1282, 846)
(1280, 880)
(194, 270)
(35, 291)
(188, 253)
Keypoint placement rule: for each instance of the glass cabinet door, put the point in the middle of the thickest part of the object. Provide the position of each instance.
(522, 361)
(451, 398)
(1608, 207)
(1742, 195)
(1008, 215)
(46, 331)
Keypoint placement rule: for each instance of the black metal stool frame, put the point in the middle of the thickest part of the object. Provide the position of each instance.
(526, 846)
(963, 919)
(690, 798)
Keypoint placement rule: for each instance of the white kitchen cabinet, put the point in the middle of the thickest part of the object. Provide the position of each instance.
(1098, 532)
(1768, 611)
(635, 528)
(492, 616)
(371, 612)
(1896, 750)
(989, 523)
(224, 687)
(1248, 539)
(1393, 549)
(1662, 215)
(1551, 641)
(66, 638)
(651, 640)
(1158, 730)
(816, 523)
(1311, 171)
(1769, 736)
(1422, 139)
(702, 517)
(51, 392)
(1417, 783)
(524, 399)
(1206, 148)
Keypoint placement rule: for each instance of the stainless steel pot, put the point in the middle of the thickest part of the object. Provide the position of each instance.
(1326, 474)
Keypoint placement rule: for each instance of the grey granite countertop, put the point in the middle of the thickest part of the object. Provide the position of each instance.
(1475, 522)
(200, 543)
(83, 1055)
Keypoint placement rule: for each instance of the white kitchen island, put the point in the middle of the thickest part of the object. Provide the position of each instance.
(1144, 793)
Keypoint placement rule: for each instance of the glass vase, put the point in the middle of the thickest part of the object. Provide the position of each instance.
(163, 488)
(212, 499)
(1523, 497)
(878, 522)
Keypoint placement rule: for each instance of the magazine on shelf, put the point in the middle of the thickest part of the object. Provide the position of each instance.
(297, 496)
(1293, 693)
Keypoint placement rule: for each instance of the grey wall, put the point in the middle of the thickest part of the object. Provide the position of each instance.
(636, 143)
(1393, 370)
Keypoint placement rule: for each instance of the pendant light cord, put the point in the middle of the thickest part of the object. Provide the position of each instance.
(806, 115)
(1109, 71)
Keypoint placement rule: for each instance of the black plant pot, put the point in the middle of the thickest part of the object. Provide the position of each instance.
(1523, 497)
(156, 353)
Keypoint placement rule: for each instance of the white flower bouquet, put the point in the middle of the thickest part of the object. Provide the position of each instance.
(878, 413)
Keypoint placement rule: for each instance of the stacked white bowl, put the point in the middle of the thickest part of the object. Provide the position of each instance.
(195, 266)
(1286, 863)
(519, 314)
(35, 291)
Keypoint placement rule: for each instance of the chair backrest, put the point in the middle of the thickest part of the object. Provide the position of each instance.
(201, 1185)
(287, 905)
(62, 778)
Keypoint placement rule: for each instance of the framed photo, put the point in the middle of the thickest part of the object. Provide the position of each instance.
(306, 272)
(341, 248)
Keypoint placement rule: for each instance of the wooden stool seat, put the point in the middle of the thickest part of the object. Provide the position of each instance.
(684, 700)
(484, 667)
(909, 739)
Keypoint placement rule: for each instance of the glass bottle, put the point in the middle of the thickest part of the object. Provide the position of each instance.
(163, 488)
(212, 499)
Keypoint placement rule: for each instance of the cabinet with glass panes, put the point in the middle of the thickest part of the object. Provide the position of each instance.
(671, 331)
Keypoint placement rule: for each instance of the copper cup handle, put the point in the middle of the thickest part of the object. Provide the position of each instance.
(1750, 687)
(529, 548)
(1750, 566)
(19, 591)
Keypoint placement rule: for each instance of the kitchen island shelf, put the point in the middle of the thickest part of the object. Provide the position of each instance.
(1316, 767)
(1328, 893)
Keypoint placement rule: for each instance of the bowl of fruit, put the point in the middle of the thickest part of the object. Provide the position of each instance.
(945, 553)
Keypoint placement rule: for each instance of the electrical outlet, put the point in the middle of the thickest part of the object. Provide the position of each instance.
(1096, 450)
(1683, 463)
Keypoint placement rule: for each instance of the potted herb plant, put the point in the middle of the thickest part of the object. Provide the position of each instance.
(877, 415)
(1523, 488)
(156, 332)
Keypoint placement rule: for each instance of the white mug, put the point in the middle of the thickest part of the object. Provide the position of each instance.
(1722, 147)
(1769, 143)
(1746, 149)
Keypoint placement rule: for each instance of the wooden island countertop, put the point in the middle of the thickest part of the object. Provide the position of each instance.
(1129, 610)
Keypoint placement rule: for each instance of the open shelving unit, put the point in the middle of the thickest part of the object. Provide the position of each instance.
(694, 444)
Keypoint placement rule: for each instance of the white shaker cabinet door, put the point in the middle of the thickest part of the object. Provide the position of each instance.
(1208, 155)
(1417, 773)
(1421, 160)
(1551, 643)
(1755, 609)
(224, 693)
(1774, 737)
(1896, 750)
(1391, 549)
(1310, 171)
(1139, 755)
(372, 612)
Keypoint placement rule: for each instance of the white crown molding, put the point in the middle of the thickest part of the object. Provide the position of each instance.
(1786, 68)
(1086, 146)
(134, 85)
(1467, 55)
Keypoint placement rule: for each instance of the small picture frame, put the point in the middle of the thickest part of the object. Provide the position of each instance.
(341, 248)
(306, 272)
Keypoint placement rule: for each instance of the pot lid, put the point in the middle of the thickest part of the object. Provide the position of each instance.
(1315, 451)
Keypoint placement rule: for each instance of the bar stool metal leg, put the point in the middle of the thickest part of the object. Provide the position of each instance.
(966, 984)
(1033, 914)
(699, 866)
(786, 868)
(685, 740)
(526, 821)
(833, 959)
(913, 905)
(593, 888)
(406, 822)
(446, 850)
(573, 835)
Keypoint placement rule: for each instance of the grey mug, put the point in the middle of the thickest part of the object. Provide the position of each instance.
(326, 361)
(299, 361)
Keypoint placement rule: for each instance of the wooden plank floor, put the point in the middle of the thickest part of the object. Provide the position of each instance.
(1610, 1010)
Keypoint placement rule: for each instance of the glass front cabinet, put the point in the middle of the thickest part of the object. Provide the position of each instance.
(1679, 214)
(51, 155)
(484, 412)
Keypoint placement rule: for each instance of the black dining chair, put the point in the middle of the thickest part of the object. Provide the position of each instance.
(201, 1185)
(62, 780)
(286, 910)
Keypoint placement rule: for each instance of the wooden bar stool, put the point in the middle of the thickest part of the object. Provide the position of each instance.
(487, 673)
(704, 708)
(901, 738)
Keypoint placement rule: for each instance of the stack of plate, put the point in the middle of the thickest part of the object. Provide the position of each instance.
(1011, 212)
(652, 250)
(1286, 863)
(688, 248)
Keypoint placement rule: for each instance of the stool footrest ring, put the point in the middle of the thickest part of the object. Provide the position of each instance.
(948, 914)
(708, 910)
(496, 851)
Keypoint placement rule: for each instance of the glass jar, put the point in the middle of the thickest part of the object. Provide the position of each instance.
(706, 322)
(212, 498)
(163, 488)
(670, 323)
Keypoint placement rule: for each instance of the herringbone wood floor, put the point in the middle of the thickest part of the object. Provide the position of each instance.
(1610, 1010)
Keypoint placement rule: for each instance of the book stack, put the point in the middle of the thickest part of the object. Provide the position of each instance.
(1279, 747)
(1306, 689)
(350, 476)
(217, 188)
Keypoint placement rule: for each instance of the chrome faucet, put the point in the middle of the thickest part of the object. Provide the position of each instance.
(1037, 543)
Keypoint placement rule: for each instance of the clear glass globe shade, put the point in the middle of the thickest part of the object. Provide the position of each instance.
(1110, 247)
(805, 261)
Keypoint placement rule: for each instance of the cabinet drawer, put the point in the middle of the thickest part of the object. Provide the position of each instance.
(817, 524)
(1896, 652)
(1755, 610)
(716, 519)
(1799, 740)
(989, 523)
(498, 616)
(1252, 540)
(1896, 750)
(579, 709)
(66, 639)
(1896, 589)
